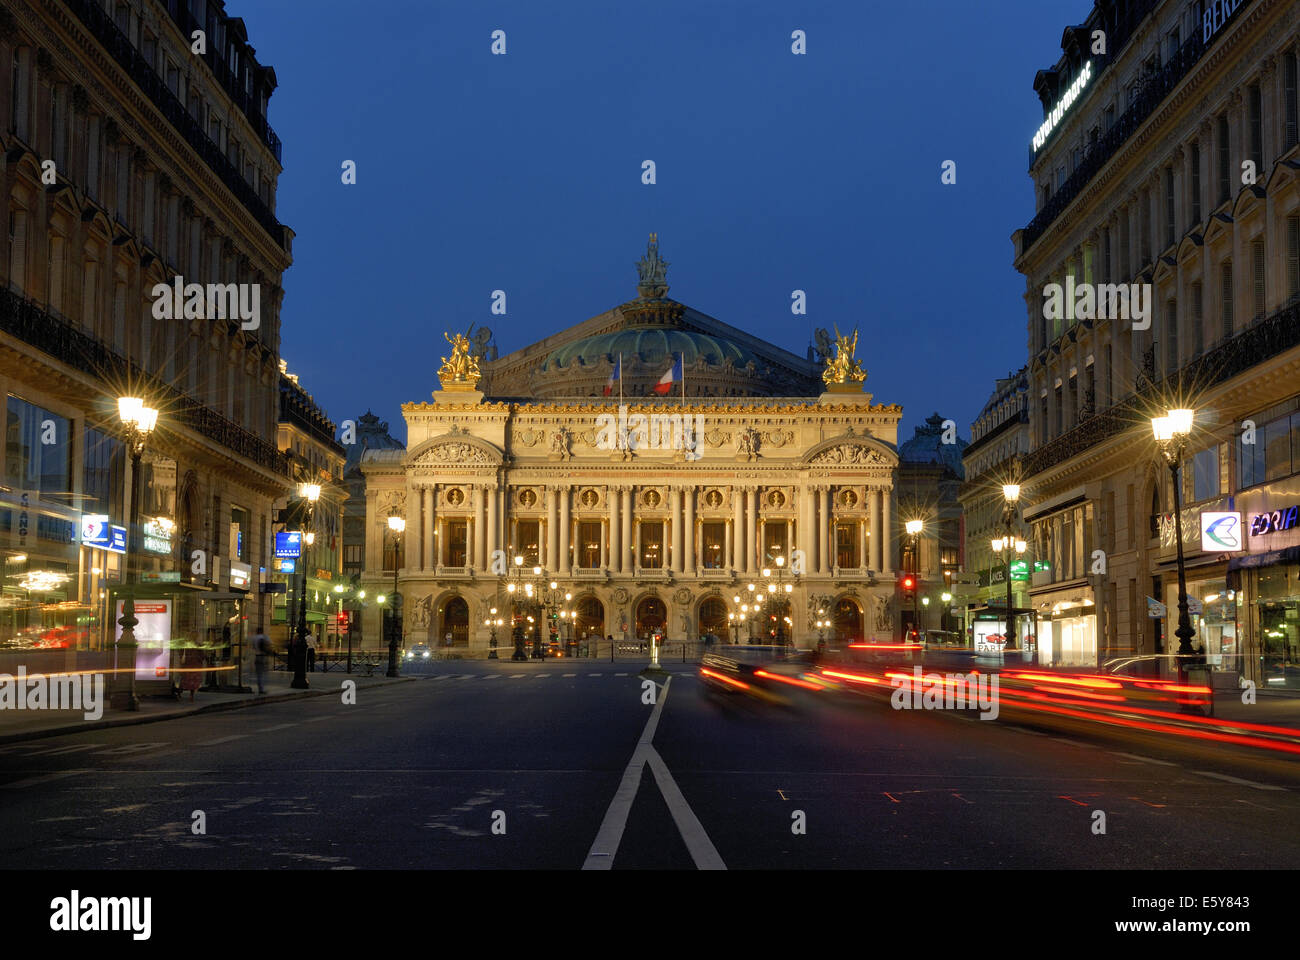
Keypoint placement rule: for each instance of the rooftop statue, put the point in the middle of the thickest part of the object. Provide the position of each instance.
(462, 366)
(842, 367)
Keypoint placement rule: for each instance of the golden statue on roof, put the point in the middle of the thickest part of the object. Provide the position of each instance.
(462, 366)
(842, 368)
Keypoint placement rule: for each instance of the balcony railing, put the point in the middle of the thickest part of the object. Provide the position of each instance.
(25, 321)
(142, 73)
(1155, 88)
(1265, 340)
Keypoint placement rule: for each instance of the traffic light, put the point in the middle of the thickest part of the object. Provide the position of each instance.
(908, 584)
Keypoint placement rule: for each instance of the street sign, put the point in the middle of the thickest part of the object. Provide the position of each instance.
(288, 544)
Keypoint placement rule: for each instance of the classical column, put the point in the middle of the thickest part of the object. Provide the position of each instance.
(480, 526)
(566, 555)
(428, 549)
(678, 559)
(806, 542)
(665, 559)
(626, 559)
(552, 530)
(493, 527)
(688, 539)
(373, 556)
(411, 536)
(876, 540)
(612, 558)
(471, 530)
(636, 553)
(738, 530)
(726, 547)
(887, 530)
(751, 531)
(825, 550)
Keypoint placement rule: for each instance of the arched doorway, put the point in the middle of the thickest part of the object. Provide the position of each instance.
(455, 620)
(848, 620)
(651, 615)
(590, 618)
(713, 619)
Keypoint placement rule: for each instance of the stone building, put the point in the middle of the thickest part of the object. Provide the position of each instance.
(1167, 164)
(659, 524)
(128, 162)
(999, 439)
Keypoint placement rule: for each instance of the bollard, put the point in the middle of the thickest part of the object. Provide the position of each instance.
(611, 653)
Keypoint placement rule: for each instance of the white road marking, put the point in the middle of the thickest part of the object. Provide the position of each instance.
(1244, 783)
(605, 847)
(213, 743)
(620, 674)
(518, 676)
(1134, 756)
(570, 674)
(278, 726)
(46, 778)
(70, 748)
(594, 674)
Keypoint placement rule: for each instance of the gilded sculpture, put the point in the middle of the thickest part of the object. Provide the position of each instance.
(842, 367)
(462, 366)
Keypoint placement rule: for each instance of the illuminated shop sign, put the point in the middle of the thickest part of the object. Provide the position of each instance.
(240, 574)
(95, 529)
(1067, 100)
(1220, 531)
(1217, 13)
(1274, 522)
(117, 540)
(156, 535)
(288, 544)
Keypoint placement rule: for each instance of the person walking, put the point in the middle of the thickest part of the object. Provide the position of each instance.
(192, 670)
(311, 652)
(261, 654)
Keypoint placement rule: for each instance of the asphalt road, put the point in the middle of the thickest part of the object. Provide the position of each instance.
(519, 766)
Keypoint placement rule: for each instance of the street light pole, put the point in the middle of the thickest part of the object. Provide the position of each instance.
(138, 422)
(1171, 432)
(396, 524)
(516, 622)
(310, 492)
(914, 528)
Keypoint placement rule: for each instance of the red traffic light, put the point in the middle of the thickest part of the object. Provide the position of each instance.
(909, 583)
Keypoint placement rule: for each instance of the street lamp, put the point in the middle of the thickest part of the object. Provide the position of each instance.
(138, 422)
(1171, 433)
(914, 528)
(1010, 497)
(516, 623)
(397, 524)
(778, 591)
(309, 493)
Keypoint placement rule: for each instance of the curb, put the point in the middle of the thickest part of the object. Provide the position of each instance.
(131, 721)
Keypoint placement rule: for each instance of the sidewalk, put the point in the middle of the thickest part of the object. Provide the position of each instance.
(34, 724)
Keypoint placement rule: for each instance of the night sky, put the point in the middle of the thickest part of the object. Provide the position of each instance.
(775, 172)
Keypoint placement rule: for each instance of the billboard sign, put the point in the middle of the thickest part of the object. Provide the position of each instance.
(288, 544)
(153, 637)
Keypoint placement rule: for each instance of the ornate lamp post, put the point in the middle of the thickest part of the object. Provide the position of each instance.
(492, 623)
(514, 588)
(778, 592)
(396, 524)
(310, 493)
(914, 528)
(1171, 433)
(138, 422)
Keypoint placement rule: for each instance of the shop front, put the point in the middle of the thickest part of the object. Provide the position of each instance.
(1267, 583)
(1066, 618)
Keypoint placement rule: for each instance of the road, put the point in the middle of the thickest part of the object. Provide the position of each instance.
(417, 775)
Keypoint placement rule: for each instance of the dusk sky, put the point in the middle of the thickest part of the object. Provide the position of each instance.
(775, 172)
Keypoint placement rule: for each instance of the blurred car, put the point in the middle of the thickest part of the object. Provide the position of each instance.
(420, 651)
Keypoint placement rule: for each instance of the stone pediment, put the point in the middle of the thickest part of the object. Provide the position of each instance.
(453, 449)
(851, 450)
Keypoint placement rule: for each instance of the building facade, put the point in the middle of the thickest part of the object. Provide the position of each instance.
(930, 474)
(306, 435)
(127, 162)
(663, 525)
(999, 441)
(1167, 164)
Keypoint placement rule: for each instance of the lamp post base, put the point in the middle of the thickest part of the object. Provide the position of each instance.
(124, 700)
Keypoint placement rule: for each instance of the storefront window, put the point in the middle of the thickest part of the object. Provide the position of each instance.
(1214, 618)
(105, 469)
(38, 454)
(1278, 612)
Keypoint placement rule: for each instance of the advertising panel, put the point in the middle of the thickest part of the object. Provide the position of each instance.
(153, 637)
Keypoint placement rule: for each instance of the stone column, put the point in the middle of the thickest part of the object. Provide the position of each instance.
(636, 551)
(552, 530)
(688, 540)
(493, 525)
(566, 555)
(726, 547)
(751, 530)
(411, 535)
(428, 548)
(665, 558)
(613, 558)
(626, 563)
(806, 541)
(825, 550)
(480, 527)
(876, 540)
(678, 558)
(374, 556)
(887, 530)
(863, 543)
(738, 530)
(471, 530)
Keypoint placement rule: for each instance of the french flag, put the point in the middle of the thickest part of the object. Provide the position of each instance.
(615, 376)
(674, 375)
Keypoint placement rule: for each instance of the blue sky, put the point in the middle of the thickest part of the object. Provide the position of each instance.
(775, 172)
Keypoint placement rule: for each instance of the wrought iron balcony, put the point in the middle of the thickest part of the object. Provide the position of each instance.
(36, 327)
(1265, 340)
(143, 75)
(1155, 88)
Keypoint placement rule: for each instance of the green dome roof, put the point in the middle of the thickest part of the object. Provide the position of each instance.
(649, 345)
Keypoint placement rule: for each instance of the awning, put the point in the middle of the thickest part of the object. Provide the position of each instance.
(1253, 560)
